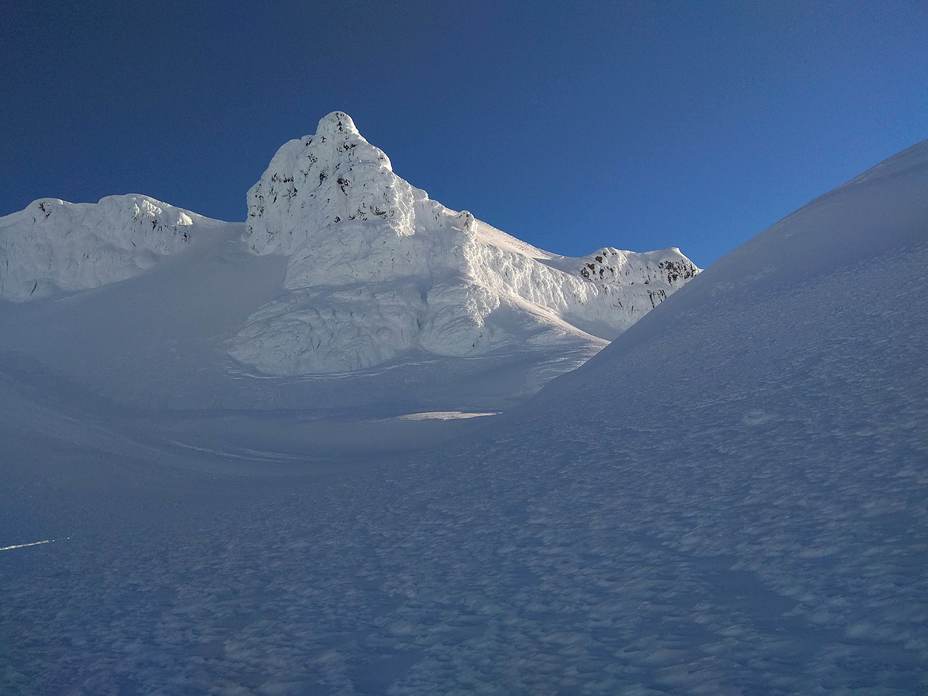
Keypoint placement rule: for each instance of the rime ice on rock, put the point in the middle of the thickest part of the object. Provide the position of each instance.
(53, 245)
(333, 177)
(376, 269)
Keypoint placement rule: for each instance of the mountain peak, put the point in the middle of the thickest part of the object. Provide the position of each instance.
(377, 270)
(336, 123)
(332, 178)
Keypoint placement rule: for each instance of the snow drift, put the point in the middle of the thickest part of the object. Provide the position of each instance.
(377, 270)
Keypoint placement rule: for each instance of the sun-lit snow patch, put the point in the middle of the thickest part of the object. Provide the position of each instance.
(445, 415)
(24, 546)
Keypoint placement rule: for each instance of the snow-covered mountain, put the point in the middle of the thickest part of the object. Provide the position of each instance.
(53, 245)
(377, 270)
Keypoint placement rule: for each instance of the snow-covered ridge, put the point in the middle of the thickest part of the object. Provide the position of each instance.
(376, 269)
(53, 245)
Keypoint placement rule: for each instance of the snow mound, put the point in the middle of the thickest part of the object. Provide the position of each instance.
(377, 270)
(53, 245)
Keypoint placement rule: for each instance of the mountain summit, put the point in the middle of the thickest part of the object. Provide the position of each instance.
(341, 267)
(377, 270)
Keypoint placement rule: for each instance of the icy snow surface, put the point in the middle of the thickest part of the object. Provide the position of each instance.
(732, 498)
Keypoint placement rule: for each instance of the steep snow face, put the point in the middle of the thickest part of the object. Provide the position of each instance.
(377, 270)
(53, 245)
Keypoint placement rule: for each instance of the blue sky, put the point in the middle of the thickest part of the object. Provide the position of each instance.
(571, 125)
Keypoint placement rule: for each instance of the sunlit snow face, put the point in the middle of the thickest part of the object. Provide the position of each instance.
(421, 276)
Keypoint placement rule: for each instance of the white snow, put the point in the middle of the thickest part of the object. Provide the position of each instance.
(26, 546)
(376, 270)
(444, 415)
(53, 245)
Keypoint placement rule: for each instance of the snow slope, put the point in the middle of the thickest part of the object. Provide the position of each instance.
(377, 270)
(730, 498)
(53, 245)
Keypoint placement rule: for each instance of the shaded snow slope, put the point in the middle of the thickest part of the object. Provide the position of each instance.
(377, 270)
(765, 533)
(53, 245)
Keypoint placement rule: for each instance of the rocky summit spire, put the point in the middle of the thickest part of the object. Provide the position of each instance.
(336, 123)
(329, 178)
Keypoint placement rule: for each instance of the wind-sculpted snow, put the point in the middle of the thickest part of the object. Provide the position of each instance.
(377, 270)
(53, 245)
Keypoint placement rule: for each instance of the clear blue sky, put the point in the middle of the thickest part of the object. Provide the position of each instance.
(572, 125)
